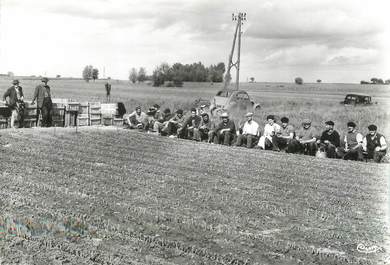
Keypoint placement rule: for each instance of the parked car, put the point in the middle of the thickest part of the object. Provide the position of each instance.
(357, 99)
(232, 101)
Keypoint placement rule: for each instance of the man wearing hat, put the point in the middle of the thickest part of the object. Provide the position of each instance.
(137, 119)
(224, 132)
(107, 85)
(162, 121)
(374, 144)
(174, 127)
(153, 115)
(14, 98)
(283, 137)
(330, 140)
(270, 129)
(250, 132)
(206, 128)
(44, 104)
(305, 140)
(191, 126)
(353, 144)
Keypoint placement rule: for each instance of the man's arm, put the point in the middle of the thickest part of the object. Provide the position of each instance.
(337, 140)
(383, 143)
(35, 95)
(6, 94)
(364, 144)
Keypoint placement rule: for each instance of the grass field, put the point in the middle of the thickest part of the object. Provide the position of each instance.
(114, 196)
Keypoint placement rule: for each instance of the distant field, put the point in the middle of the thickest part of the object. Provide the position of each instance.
(319, 102)
(114, 196)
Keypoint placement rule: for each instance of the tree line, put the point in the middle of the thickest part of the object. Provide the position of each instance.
(376, 81)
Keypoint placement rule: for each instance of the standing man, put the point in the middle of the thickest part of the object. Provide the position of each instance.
(250, 132)
(225, 130)
(107, 85)
(353, 140)
(44, 104)
(191, 126)
(15, 103)
(282, 139)
(270, 129)
(374, 144)
(305, 140)
(330, 140)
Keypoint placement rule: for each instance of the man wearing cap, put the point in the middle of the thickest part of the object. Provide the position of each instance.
(15, 103)
(191, 126)
(206, 128)
(353, 144)
(330, 140)
(374, 144)
(44, 104)
(137, 119)
(153, 115)
(305, 140)
(224, 132)
(162, 121)
(270, 129)
(174, 127)
(283, 137)
(250, 132)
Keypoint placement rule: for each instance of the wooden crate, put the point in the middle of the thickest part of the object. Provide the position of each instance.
(72, 106)
(82, 120)
(108, 120)
(58, 123)
(94, 107)
(70, 118)
(95, 121)
(29, 122)
(118, 122)
(84, 108)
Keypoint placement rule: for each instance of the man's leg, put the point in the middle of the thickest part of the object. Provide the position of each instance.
(14, 116)
(240, 140)
(211, 136)
(262, 142)
(227, 137)
(378, 155)
(196, 135)
(330, 150)
(294, 147)
(311, 149)
(45, 114)
(250, 140)
(268, 144)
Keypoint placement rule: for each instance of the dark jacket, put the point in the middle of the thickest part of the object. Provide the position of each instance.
(333, 138)
(229, 125)
(12, 96)
(39, 94)
(193, 121)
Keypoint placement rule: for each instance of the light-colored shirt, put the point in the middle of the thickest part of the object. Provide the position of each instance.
(270, 130)
(251, 128)
(140, 118)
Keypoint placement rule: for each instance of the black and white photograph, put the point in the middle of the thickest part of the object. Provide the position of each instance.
(175, 132)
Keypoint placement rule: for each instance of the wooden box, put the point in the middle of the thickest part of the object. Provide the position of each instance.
(118, 122)
(73, 106)
(82, 120)
(107, 120)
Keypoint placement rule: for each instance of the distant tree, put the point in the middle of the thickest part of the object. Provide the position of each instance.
(387, 81)
(299, 80)
(141, 77)
(87, 73)
(95, 74)
(380, 81)
(58, 76)
(319, 80)
(374, 80)
(133, 75)
(161, 74)
(252, 79)
(364, 82)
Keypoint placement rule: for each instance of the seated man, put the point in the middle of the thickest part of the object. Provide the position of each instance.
(374, 144)
(137, 119)
(191, 126)
(270, 129)
(206, 128)
(330, 140)
(353, 148)
(225, 130)
(174, 127)
(282, 138)
(162, 121)
(250, 132)
(305, 140)
(153, 115)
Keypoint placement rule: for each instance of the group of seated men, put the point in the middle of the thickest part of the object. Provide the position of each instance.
(199, 127)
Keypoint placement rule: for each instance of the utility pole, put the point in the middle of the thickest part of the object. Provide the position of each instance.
(240, 17)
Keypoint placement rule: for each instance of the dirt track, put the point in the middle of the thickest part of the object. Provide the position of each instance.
(109, 196)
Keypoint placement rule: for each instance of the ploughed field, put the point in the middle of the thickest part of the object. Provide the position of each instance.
(114, 196)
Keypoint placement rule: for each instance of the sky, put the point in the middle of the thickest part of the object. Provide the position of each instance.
(332, 40)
